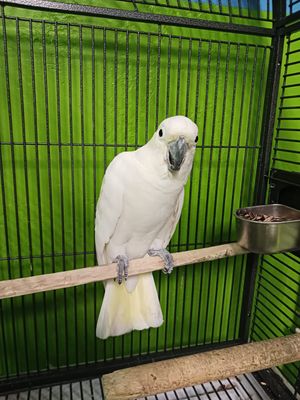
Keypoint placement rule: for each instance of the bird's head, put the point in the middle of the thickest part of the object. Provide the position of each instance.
(176, 137)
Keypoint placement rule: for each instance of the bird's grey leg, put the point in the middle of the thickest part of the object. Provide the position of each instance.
(167, 258)
(122, 268)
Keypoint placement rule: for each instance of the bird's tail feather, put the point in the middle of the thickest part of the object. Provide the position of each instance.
(124, 311)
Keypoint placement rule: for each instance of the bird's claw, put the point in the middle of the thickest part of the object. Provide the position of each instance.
(122, 268)
(166, 257)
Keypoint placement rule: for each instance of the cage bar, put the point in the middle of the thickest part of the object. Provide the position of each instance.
(79, 90)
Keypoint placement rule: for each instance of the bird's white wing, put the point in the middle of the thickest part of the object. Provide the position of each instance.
(164, 236)
(109, 207)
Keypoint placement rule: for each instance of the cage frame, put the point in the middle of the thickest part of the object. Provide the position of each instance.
(282, 25)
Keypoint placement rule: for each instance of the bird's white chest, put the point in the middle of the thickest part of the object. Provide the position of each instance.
(147, 208)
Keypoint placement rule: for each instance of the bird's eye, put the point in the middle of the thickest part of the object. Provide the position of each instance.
(196, 139)
(160, 133)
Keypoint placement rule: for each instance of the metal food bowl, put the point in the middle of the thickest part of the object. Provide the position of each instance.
(272, 228)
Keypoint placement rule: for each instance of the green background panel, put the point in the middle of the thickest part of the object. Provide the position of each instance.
(74, 94)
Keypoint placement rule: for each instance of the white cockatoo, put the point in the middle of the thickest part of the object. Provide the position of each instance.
(139, 206)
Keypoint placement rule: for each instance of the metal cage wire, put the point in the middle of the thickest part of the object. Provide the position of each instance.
(76, 94)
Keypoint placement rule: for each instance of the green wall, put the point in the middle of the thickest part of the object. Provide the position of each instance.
(73, 95)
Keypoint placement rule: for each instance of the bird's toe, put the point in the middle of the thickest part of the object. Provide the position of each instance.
(166, 257)
(122, 268)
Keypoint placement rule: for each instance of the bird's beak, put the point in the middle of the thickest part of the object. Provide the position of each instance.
(176, 153)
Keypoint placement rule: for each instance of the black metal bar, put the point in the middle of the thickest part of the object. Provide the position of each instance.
(137, 98)
(147, 87)
(195, 119)
(141, 32)
(138, 16)
(291, 28)
(83, 174)
(269, 117)
(13, 384)
(116, 55)
(244, 197)
(200, 177)
(11, 134)
(290, 19)
(51, 216)
(168, 76)
(264, 159)
(122, 145)
(27, 201)
(208, 182)
(158, 80)
(61, 181)
(217, 182)
(93, 78)
(38, 183)
(126, 89)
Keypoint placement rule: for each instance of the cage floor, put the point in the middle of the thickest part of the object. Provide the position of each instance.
(241, 387)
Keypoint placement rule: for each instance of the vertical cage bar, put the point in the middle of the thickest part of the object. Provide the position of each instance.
(159, 39)
(116, 90)
(254, 69)
(137, 89)
(251, 195)
(27, 202)
(200, 176)
(8, 95)
(126, 89)
(104, 129)
(73, 207)
(94, 171)
(104, 97)
(217, 182)
(83, 172)
(197, 83)
(240, 7)
(27, 198)
(183, 310)
(147, 87)
(261, 182)
(61, 180)
(51, 216)
(189, 215)
(209, 181)
(167, 114)
(235, 83)
(3, 334)
(158, 78)
(168, 75)
(282, 97)
(269, 114)
(38, 182)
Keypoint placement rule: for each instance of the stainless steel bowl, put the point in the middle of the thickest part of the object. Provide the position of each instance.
(269, 237)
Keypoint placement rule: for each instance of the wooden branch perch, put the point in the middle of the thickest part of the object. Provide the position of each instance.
(163, 376)
(65, 279)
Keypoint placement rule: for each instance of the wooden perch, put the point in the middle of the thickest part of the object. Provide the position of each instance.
(163, 376)
(65, 279)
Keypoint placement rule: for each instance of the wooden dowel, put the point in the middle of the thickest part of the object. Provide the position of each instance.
(65, 279)
(164, 376)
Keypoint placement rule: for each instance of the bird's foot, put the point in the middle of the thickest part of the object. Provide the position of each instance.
(122, 268)
(166, 257)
